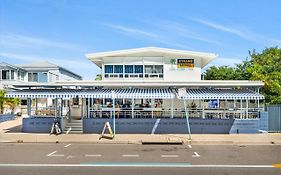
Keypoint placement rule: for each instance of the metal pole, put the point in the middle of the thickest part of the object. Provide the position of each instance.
(187, 116)
(133, 104)
(113, 110)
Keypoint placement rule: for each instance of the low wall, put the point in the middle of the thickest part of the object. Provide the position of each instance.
(7, 117)
(40, 124)
(159, 126)
(250, 125)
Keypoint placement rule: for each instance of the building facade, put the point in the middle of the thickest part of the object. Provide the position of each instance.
(139, 93)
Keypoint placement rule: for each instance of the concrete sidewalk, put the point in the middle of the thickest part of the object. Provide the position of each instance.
(10, 133)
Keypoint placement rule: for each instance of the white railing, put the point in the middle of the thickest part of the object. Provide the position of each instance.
(176, 113)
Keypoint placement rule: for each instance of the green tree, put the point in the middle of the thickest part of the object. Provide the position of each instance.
(264, 66)
(12, 102)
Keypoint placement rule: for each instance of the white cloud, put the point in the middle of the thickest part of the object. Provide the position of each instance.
(16, 40)
(224, 28)
(145, 34)
(131, 30)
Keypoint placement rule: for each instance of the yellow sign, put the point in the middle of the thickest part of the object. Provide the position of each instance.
(185, 63)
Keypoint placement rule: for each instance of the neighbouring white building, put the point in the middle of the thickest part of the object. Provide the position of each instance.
(139, 87)
(38, 72)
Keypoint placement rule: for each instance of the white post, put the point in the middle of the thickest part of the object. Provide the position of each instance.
(113, 110)
(133, 104)
(203, 111)
(28, 106)
(56, 103)
(241, 106)
(247, 106)
(61, 106)
(172, 108)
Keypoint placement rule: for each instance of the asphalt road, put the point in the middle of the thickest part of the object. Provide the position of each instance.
(74, 158)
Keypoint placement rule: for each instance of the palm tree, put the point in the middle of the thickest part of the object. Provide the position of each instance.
(12, 102)
(2, 100)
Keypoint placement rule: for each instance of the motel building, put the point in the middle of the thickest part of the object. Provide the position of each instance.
(138, 92)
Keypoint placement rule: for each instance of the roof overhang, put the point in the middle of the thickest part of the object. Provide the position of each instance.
(205, 57)
(152, 84)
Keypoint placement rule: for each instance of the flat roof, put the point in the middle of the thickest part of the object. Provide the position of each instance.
(152, 52)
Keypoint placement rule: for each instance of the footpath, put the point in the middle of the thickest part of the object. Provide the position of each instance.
(10, 132)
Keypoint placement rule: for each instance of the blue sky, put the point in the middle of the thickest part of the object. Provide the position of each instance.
(63, 31)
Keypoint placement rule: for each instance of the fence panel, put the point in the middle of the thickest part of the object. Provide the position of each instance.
(274, 118)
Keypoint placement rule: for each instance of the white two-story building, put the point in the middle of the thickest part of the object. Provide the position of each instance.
(140, 88)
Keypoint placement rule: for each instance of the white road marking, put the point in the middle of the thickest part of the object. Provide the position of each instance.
(67, 145)
(52, 154)
(69, 129)
(170, 156)
(196, 154)
(70, 157)
(162, 165)
(93, 155)
(189, 146)
(130, 155)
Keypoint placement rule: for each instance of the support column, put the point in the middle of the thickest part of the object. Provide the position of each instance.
(247, 107)
(203, 111)
(241, 106)
(36, 104)
(28, 106)
(56, 104)
(61, 107)
(133, 105)
(172, 108)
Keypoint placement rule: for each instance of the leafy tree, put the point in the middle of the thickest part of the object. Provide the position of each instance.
(12, 102)
(264, 66)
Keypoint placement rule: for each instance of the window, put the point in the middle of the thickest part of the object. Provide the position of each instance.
(129, 68)
(154, 71)
(108, 69)
(118, 68)
(138, 69)
(42, 77)
(5, 74)
(33, 77)
(12, 74)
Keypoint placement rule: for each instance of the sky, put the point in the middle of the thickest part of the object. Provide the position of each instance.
(63, 31)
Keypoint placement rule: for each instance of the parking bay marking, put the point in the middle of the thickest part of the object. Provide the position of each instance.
(67, 145)
(93, 155)
(195, 154)
(52, 154)
(169, 156)
(130, 155)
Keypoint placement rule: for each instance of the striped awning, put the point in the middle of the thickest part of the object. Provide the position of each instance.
(93, 93)
(228, 94)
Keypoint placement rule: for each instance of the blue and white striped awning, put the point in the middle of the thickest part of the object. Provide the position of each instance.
(228, 94)
(93, 93)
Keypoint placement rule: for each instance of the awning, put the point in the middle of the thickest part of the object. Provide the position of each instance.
(93, 93)
(229, 94)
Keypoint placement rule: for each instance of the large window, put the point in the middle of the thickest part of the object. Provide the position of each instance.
(153, 71)
(108, 69)
(5, 74)
(133, 71)
(113, 71)
(33, 77)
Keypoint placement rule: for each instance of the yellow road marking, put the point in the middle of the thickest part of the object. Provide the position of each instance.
(277, 165)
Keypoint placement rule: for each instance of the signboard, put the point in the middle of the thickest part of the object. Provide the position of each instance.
(185, 63)
(182, 92)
